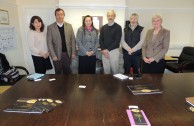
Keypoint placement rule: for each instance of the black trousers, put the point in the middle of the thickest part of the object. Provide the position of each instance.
(153, 67)
(41, 64)
(63, 66)
(87, 65)
(131, 61)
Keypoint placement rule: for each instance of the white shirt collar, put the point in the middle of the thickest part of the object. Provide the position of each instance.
(60, 24)
(133, 26)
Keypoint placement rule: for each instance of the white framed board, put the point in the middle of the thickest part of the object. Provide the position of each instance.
(7, 38)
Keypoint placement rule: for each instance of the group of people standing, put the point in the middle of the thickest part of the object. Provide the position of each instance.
(59, 42)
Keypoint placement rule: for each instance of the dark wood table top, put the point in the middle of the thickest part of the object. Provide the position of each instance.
(103, 102)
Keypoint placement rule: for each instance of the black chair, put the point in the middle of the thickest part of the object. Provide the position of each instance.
(127, 22)
(99, 66)
(22, 73)
(184, 63)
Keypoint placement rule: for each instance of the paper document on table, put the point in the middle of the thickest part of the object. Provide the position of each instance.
(35, 76)
(121, 76)
(82, 86)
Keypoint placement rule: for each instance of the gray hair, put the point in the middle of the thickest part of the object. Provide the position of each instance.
(157, 16)
(135, 15)
(111, 11)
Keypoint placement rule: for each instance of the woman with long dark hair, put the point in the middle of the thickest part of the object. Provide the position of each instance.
(38, 46)
(87, 41)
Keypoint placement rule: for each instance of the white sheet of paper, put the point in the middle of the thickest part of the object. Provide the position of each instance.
(82, 86)
(133, 107)
(121, 76)
(52, 79)
(38, 80)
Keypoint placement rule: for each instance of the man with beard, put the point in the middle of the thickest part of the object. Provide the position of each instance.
(110, 37)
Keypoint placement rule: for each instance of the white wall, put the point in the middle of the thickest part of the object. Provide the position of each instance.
(161, 3)
(93, 2)
(14, 56)
(192, 33)
(38, 3)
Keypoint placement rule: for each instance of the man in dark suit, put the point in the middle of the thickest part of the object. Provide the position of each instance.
(61, 43)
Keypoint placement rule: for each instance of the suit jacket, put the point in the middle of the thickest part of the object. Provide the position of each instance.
(54, 41)
(158, 47)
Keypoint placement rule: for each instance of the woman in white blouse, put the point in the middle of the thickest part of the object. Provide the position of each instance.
(38, 46)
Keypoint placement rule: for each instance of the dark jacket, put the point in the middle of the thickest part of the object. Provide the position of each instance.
(4, 63)
(132, 38)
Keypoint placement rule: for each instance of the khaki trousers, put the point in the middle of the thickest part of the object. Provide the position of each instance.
(111, 64)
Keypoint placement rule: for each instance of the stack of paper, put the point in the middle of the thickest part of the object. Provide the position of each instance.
(32, 105)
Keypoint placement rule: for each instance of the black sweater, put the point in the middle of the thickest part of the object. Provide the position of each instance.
(110, 37)
(62, 33)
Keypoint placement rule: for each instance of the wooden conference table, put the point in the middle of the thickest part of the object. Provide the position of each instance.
(103, 102)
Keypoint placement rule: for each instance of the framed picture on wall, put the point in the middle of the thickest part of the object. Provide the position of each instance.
(97, 21)
(4, 17)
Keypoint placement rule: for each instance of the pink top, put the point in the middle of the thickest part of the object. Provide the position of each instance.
(89, 28)
(37, 42)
